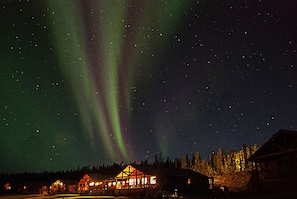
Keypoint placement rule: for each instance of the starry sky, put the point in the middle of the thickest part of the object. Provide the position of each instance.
(93, 82)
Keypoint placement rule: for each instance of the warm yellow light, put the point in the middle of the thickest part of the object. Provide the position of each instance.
(144, 180)
(7, 186)
(189, 180)
(92, 184)
(153, 180)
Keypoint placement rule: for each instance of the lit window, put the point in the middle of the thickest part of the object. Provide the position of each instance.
(132, 181)
(92, 184)
(153, 180)
(189, 180)
(144, 180)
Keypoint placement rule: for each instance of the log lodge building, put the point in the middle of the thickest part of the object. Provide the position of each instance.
(144, 180)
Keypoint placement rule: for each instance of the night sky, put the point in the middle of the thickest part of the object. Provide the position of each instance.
(96, 82)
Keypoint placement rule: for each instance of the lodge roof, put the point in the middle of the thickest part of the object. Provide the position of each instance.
(167, 171)
(97, 176)
(280, 144)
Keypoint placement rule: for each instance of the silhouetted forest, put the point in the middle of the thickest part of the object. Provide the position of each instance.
(217, 163)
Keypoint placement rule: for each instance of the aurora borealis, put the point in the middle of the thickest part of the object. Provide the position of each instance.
(95, 82)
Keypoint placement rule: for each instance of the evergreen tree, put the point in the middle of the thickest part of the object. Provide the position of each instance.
(219, 161)
(196, 162)
(231, 161)
(245, 157)
(183, 163)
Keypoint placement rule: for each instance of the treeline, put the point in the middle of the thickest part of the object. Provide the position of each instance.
(221, 163)
(49, 177)
(217, 163)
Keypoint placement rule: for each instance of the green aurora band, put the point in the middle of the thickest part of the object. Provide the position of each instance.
(101, 81)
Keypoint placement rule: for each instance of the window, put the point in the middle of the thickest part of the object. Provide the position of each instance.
(153, 180)
(144, 180)
(189, 181)
(132, 181)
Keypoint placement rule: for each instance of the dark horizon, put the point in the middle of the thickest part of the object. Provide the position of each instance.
(159, 160)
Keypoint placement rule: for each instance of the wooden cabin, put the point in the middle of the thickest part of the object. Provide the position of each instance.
(150, 180)
(57, 187)
(132, 177)
(135, 180)
(95, 183)
(276, 162)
